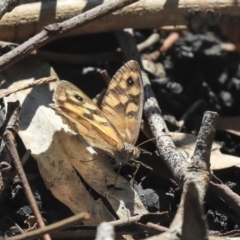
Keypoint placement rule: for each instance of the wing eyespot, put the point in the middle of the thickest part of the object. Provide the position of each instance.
(130, 115)
(130, 81)
(79, 98)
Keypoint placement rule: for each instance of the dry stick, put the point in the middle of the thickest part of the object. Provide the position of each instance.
(152, 228)
(68, 222)
(67, 58)
(231, 199)
(7, 6)
(25, 157)
(105, 76)
(152, 39)
(168, 42)
(9, 141)
(198, 170)
(56, 30)
(196, 179)
(7, 92)
(194, 223)
(166, 148)
(176, 28)
(12, 121)
(71, 221)
(143, 14)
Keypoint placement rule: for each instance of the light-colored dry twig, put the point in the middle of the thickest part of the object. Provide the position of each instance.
(54, 31)
(195, 183)
(152, 39)
(198, 170)
(105, 77)
(152, 228)
(168, 42)
(175, 161)
(231, 198)
(53, 227)
(176, 28)
(166, 148)
(25, 157)
(7, 92)
(19, 26)
(11, 130)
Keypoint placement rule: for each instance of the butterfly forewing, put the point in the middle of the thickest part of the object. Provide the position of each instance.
(114, 127)
(85, 117)
(123, 103)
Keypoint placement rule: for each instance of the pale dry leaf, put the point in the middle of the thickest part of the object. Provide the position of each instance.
(38, 125)
(62, 156)
(185, 143)
(105, 231)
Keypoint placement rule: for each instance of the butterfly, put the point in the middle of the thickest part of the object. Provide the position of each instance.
(113, 125)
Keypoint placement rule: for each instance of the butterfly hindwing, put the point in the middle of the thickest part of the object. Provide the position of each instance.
(123, 102)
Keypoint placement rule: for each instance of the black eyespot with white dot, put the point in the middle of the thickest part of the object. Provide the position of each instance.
(130, 81)
(79, 98)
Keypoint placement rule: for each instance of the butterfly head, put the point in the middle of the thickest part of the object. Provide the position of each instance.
(130, 152)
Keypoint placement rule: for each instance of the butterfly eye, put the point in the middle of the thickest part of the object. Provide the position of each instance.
(130, 81)
(79, 98)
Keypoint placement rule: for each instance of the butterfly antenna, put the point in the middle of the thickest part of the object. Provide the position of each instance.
(149, 140)
(145, 151)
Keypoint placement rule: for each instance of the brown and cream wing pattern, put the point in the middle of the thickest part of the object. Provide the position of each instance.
(123, 102)
(85, 117)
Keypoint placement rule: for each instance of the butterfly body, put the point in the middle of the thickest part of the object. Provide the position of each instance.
(113, 125)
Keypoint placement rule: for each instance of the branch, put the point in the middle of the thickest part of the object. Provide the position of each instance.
(165, 146)
(52, 227)
(56, 30)
(19, 26)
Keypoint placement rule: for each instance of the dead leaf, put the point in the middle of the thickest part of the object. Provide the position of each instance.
(185, 143)
(62, 156)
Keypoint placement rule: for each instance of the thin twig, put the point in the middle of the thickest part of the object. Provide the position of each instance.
(145, 14)
(10, 144)
(152, 228)
(152, 39)
(138, 218)
(177, 28)
(166, 148)
(195, 183)
(54, 31)
(7, 92)
(198, 170)
(168, 42)
(25, 157)
(231, 198)
(68, 222)
(105, 76)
